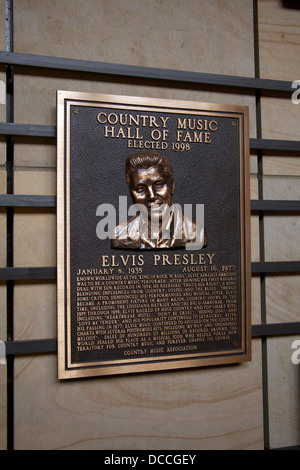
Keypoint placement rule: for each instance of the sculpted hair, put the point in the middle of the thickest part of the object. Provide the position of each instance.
(145, 160)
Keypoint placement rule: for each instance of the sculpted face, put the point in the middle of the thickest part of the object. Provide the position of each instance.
(151, 188)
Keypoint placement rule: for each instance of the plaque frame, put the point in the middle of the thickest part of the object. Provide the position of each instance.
(68, 369)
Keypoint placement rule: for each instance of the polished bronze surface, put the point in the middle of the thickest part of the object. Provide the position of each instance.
(136, 293)
(150, 179)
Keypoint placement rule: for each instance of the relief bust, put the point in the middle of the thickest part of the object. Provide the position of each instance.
(160, 223)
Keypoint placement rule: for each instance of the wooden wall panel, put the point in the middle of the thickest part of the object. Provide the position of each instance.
(217, 408)
(213, 36)
(35, 309)
(34, 238)
(208, 408)
(280, 118)
(283, 298)
(286, 167)
(279, 39)
(284, 392)
(35, 95)
(279, 46)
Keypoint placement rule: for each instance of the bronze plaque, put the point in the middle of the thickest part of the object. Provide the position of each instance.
(153, 234)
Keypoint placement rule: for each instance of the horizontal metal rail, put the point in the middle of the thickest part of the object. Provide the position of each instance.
(31, 273)
(39, 130)
(21, 274)
(275, 267)
(275, 329)
(275, 205)
(19, 200)
(275, 144)
(38, 346)
(22, 200)
(75, 65)
(30, 346)
(30, 130)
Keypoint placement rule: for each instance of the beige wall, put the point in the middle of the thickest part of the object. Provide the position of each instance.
(217, 408)
(279, 47)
